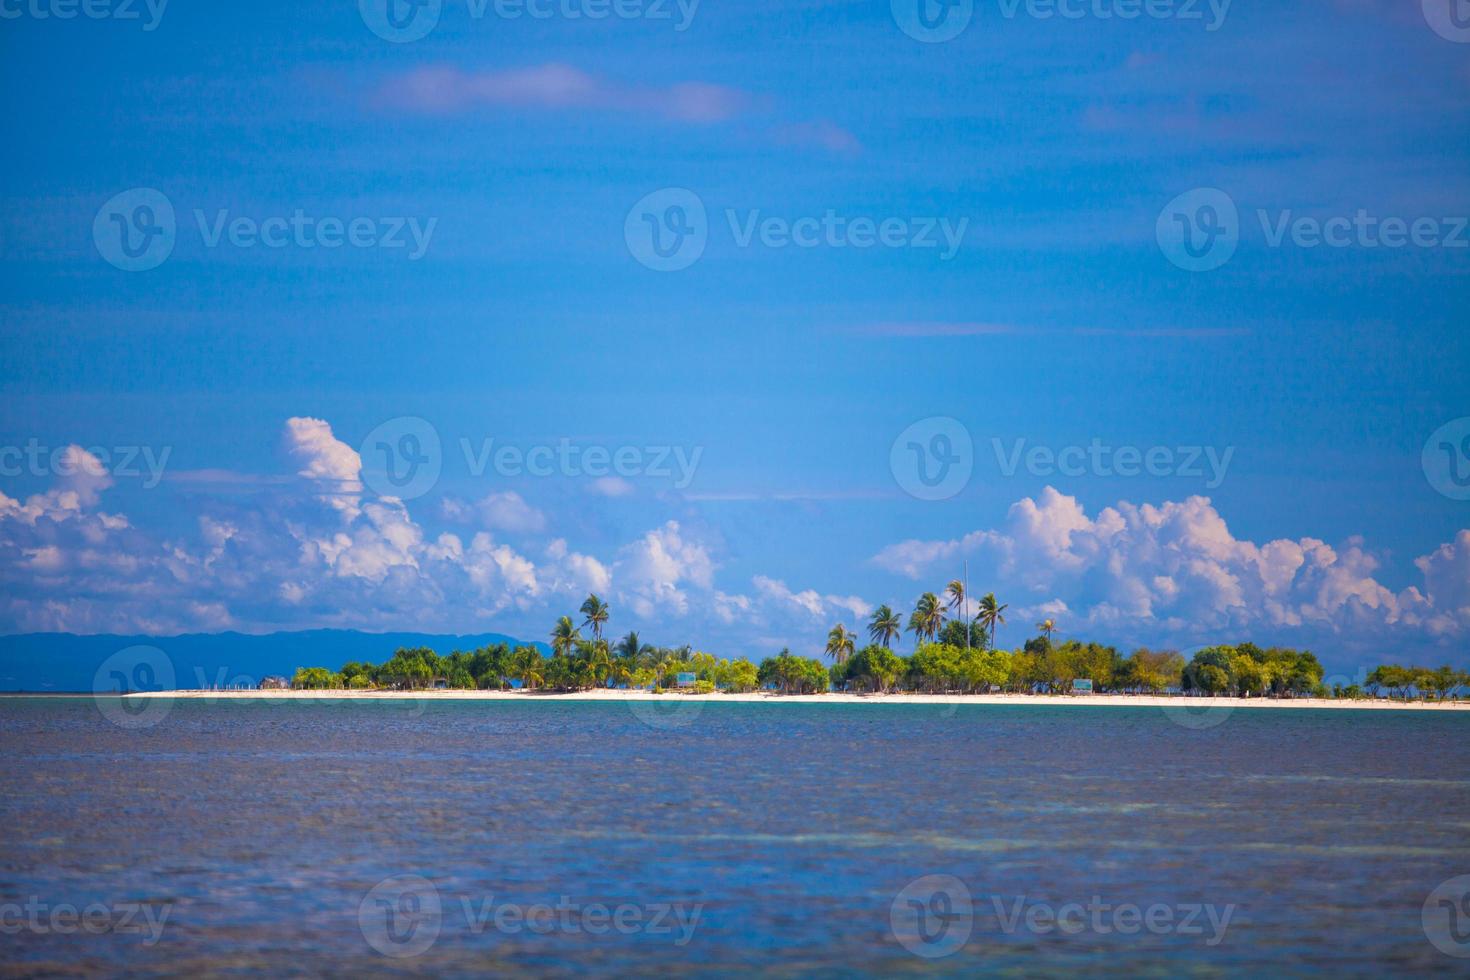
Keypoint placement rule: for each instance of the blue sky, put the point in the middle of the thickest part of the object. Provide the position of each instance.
(529, 319)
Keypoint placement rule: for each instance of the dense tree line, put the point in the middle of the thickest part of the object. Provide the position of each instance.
(954, 654)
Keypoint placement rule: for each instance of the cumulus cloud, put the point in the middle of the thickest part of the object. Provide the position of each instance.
(507, 511)
(652, 570)
(1177, 567)
(316, 551)
(320, 552)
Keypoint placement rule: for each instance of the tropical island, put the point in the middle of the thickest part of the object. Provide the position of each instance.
(954, 654)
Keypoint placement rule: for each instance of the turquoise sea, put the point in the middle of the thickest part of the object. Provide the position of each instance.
(453, 838)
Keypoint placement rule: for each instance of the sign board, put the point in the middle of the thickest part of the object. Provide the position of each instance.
(687, 680)
(1081, 686)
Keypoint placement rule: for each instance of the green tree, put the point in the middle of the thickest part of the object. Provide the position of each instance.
(315, 679)
(954, 633)
(596, 612)
(927, 617)
(564, 637)
(839, 643)
(991, 614)
(875, 667)
(885, 626)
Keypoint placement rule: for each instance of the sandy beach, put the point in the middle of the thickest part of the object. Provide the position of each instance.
(1035, 700)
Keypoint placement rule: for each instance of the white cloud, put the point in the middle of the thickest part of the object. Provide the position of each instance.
(610, 486)
(649, 571)
(506, 511)
(1177, 567)
(810, 601)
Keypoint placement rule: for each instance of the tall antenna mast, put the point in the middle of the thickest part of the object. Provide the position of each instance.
(966, 601)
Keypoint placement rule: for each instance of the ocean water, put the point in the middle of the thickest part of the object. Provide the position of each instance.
(556, 838)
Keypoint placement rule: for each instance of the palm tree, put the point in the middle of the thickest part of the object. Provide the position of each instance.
(956, 592)
(565, 636)
(599, 660)
(596, 612)
(990, 614)
(840, 643)
(885, 626)
(1047, 628)
(958, 600)
(526, 665)
(927, 617)
(629, 647)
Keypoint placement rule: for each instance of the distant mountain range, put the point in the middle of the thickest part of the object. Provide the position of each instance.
(67, 662)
